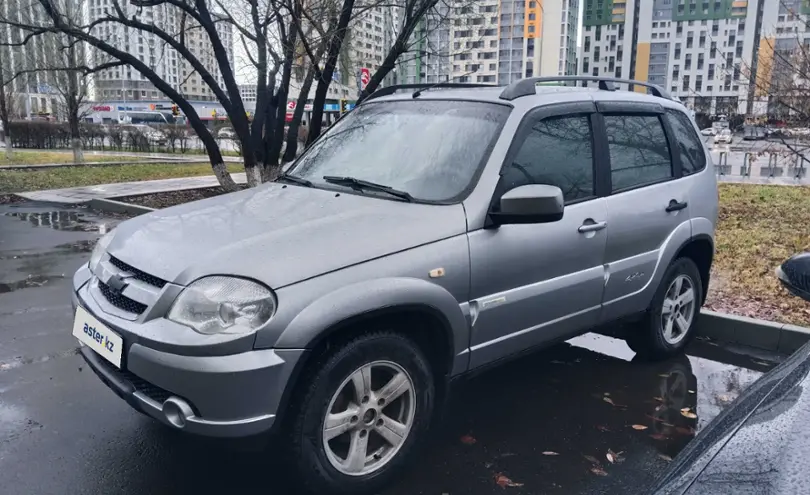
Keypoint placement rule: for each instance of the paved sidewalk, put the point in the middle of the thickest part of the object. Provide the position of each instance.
(75, 195)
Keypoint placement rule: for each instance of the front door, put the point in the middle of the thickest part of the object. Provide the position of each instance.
(532, 284)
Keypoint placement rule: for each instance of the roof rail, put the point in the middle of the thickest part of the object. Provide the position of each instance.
(526, 87)
(389, 90)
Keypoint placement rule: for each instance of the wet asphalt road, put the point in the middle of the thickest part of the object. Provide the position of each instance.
(531, 422)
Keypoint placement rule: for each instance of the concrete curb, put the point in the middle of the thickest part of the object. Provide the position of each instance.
(112, 206)
(770, 336)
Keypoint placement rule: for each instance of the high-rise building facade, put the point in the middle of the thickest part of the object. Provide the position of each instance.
(126, 83)
(717, 56)
(496, 42)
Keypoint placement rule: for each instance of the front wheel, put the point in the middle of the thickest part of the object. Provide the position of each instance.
(669, 323)
(367, 407)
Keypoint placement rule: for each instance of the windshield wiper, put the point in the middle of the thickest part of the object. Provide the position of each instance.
(295, 180)
(371, 186)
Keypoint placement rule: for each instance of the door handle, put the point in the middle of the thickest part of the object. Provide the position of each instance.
(676, 206)
(591, 227)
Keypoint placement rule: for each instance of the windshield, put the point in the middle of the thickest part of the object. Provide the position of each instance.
(431, 149)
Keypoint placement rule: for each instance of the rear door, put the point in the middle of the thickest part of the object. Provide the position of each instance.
(647, 202)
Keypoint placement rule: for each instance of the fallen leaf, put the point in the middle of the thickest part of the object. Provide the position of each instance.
(724, 398)
(592, 459)
(762, 363)
(606, 393)
(503, 481)
(487, 465)
(689, 415)
(665, 457)
(609, 457)
(667, 424)
(659, 399)
(658, 436)
(548, 452)
(664, 375)
(468, 440)
(691, 391)
(686, 409)
(598, 471)
(608, 400)
(602, 428)
(638, 427)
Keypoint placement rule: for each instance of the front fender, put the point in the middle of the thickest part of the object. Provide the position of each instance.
(324, 314)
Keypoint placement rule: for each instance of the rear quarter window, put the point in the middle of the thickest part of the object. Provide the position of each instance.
(687, 143)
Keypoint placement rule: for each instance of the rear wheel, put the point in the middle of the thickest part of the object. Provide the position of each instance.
(367, 407)
(669, 322)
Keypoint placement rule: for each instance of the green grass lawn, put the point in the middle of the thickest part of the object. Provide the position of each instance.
(759, 227)
(12, 181)
(44, 157)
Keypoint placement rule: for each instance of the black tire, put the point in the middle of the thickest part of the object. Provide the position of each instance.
(647, 339)
(312, 467)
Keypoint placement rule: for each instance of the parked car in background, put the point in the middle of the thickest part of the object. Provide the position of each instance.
(425, 235)
(724, 137)
(226, 133)
(155, 136)
(709, 131)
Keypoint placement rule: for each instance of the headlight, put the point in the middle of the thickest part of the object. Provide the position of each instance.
(223, 305)
(100, 249)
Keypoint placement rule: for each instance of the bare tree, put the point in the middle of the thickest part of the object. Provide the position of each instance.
(5, 110)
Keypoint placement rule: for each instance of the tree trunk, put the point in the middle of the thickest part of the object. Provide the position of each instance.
(4, 113)
(298, 114)
(75, 132)
(335, 42)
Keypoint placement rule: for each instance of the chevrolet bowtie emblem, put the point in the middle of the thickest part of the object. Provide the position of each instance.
(119, 282)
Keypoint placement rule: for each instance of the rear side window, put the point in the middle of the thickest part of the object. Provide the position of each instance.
(639, 152)
(558, 152)
(687, 141)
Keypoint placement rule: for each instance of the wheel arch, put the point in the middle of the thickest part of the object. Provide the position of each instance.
(700, 249)
(425, 312)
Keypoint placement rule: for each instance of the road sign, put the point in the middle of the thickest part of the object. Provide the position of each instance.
(291, 105)
(365, 77)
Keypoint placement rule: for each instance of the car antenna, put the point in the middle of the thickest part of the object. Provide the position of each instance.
(418, 92)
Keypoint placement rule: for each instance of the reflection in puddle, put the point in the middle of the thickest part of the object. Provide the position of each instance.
(60, 220)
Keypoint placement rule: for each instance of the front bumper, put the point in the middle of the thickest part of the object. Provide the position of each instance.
(230, 395)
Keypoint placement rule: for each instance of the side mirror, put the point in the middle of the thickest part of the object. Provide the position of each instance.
(532, 203)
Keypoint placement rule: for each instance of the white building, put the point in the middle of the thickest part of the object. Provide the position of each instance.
(125, 83)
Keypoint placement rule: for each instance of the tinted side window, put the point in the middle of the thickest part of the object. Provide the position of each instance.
(689, 145)
(639, 153)
(559, 152)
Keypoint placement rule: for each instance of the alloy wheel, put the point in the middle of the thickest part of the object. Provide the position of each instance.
(678, 309)
(369, 418)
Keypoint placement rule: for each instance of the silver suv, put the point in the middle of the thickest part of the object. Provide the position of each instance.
(425, 235)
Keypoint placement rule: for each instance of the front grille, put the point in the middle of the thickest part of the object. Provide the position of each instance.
(154, 392)
(137, 274)
(120, 301)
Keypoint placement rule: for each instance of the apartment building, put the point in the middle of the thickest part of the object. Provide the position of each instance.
(30, 90)
(781, 55)
(717, 56)
(430, 57)
(127, 84)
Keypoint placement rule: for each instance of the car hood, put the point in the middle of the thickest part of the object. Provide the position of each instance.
(278, 234)
(759, 445)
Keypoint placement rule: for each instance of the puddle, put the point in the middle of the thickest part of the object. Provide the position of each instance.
(72, 221)
(609, 420)
(31, 281)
